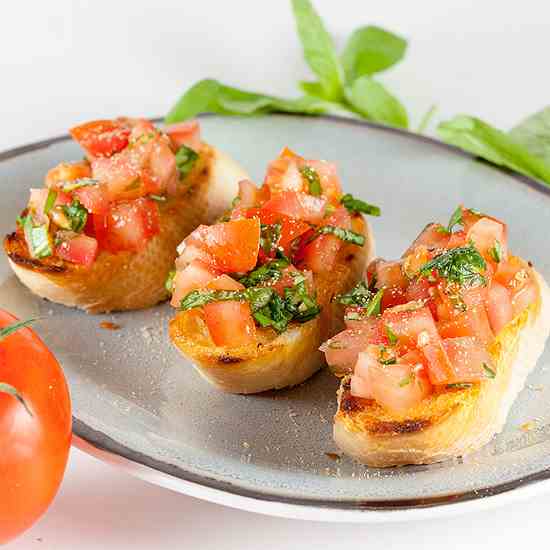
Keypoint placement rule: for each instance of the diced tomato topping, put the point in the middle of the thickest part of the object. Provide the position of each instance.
(499, 307)
(390, 274)
(485, 234)
(440, 370)
(93, 198)
(248, 194)
(283, 173)
(68, 171)
(39, 197)
(186, 133)
(194, 277)
(230, 323)
(102, 138)
(524, 297)
(328, 177)
(297, 205)
(413, 327)
(231, 246)
(433, 236)
(79, 249)
(458, 239)
(127, 225)
(397, 387)
(288, 279)
(467, 358)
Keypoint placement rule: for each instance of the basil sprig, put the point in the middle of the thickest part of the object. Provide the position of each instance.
(357, 205)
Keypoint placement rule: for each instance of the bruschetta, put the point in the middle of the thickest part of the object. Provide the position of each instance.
(437, 346)
(254, 292)
(101, 235)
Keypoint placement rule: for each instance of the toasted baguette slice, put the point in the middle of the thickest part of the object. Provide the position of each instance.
(451, 422)
(275, 361)
(129, 280)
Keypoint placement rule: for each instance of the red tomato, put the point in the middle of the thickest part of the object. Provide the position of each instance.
(467, 358)
(231, 246)
(248, 194)
(34, 448)
(390, 274)
(68, 171)
(283, 173)
(288, 279)
(230, 323)
(440, 369)
(195, 276)
(485, 233)
(186, 133)
(127, 225)
(413, 327)
(93, 198)
(297, 205)
(499, 307)
(80, 249)
(397, 387)
(37, 202)
(102, 138)
(432, 237)
(524, 297)
(328, 177)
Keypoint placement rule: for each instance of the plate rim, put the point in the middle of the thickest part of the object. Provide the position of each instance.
(107, 449)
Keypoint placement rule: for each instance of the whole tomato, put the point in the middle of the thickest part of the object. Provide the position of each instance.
(35, 428)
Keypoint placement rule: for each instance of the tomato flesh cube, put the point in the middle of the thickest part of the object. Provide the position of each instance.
(128, 225)
(67, 171)
(230, 323)
(485, 233)
(397, 387)
(81, 250)
(195, 276)
(101, 138)
(467, 358)
(93, 198)
(524, 297)
(440, 370)
(232, 246)
(297, 205)
(499, 307)
(186, 133)
(433, 236)
(328, 178)
(413, 327)
(283, 173)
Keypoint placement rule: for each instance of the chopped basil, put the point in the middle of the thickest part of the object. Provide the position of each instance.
(313, 180)
(77, 215)
(37, 238)
(169, 284)
(386, 357)
(343, 234)
(405, 382)
(357, 205)
(268, 308)
(158, 198)
(459, 265)
(185, 160)
(392, 337)
(77, 184)
(236, 200)
(456, 219)
(362, 297)
(133, 185)
(14, 327)
(459, 385)
(270, 271)
(489, 372)
(269, 236)
(50, 200)
(496, 251)
(374, 306)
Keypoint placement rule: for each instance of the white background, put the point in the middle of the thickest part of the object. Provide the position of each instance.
(65, 62)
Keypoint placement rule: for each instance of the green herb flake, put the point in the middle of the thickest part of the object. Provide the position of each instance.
(359, 295)
(456, 219)
(459, 386)
(496, 252)
(269, 272)
(345, 235)
(392, 337)
(169, 283)
(50, 200)
(405, 381)
(354, 205)
(489, 372)
(77, 216)
(462, 265)
(312, 178)
(269, 237)
(158, 198)
(77, 184)
(37, 238)
(185, 160)
(374, 306)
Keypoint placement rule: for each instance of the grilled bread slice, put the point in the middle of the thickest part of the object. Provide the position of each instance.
(274, 360)
(452, 421)
(132, 280)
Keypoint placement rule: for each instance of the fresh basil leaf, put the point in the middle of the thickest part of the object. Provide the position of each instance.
(210, 96)
(312, 178)
(10, 390)
(185, 160)
(375, 305)
(459, 265)
(392, 337)
(37, 239)
(319, 50)
(77, 216)
(370, 50)
(496, 252)
(14, 327)
(371, 100)
(345, 235)
(50, 200)
(270, 271)
(534, 134)
(489, 143)
(359, 295)
(357, 205)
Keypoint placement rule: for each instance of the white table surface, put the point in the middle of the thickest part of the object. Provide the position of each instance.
(64, 62)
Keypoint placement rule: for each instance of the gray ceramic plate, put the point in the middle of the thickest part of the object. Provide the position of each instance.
(138, 404)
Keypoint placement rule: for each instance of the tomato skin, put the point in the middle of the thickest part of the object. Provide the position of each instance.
(81, 249)
(432, 237)
(186, 133)
(101, 138)
(484, 233)
(195, 276)
(297, 205)
(499, 307)
(93, 198)
(67, 171)
(34, 449)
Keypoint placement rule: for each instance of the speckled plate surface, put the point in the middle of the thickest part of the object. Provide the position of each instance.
(138, 404)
